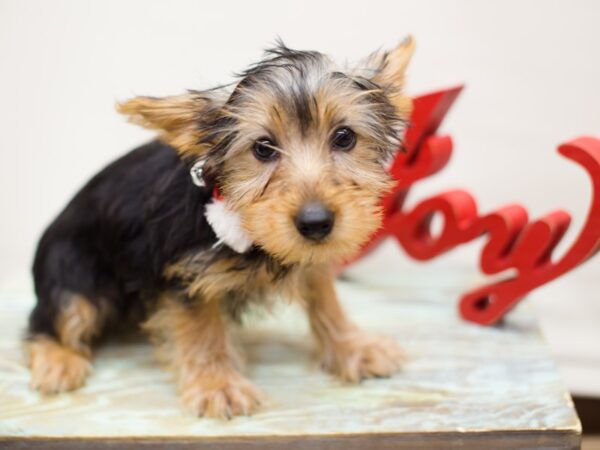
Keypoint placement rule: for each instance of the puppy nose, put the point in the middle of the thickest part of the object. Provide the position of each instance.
(314, 221)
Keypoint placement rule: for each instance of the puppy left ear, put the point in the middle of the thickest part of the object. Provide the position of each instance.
(177, 118)
(388, 70)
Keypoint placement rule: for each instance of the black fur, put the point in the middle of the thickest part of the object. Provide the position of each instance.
(113, 240)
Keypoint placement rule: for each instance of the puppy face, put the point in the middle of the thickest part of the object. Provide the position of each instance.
(298, 148)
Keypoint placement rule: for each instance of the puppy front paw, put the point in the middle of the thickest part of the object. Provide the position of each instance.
(221, 394)
(360, 355)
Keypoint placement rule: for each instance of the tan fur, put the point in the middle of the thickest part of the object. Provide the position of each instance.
(191, 339)
(269, 220)
(77, 323)
(63, 364)
(346, 351)
(213, 280)
(174, 117)
(54, 367)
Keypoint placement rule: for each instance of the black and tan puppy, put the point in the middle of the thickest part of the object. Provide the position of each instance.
(293, 166)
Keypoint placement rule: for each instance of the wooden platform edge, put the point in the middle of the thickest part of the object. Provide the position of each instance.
(490, 440)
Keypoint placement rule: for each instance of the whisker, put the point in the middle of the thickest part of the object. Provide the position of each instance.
(274, 147)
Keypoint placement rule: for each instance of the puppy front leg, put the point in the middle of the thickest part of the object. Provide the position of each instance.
(193, 340)
(346, 350)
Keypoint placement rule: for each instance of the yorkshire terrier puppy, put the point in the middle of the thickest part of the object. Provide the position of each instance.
(252, 191)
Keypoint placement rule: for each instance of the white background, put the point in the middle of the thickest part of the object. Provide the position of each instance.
(532, 70)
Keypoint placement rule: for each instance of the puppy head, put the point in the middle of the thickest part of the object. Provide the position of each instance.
(297, 147)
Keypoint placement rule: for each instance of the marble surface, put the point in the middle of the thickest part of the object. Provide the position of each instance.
(459, 378)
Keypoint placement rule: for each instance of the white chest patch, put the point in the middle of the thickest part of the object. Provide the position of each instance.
(227, 225)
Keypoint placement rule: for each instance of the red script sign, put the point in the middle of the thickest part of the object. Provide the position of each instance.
(513, 241)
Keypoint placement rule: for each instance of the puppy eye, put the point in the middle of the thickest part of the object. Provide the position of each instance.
(263, 150)
(343, 139)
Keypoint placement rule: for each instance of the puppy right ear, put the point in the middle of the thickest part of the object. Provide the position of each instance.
(177, 118)
(388, 69)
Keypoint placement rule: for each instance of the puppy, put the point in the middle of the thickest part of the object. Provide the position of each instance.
(252, 191)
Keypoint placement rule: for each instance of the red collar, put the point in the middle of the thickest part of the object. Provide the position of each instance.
(216, 193)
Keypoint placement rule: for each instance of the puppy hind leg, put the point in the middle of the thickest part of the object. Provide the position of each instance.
(61, 362)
